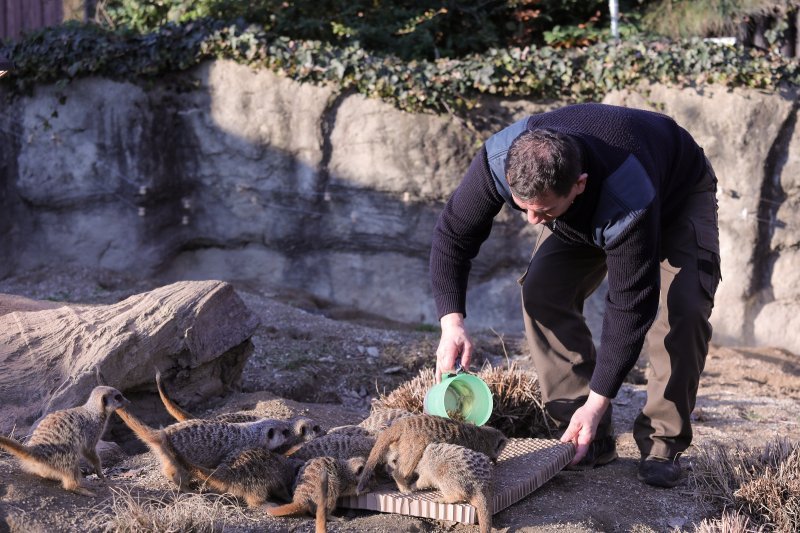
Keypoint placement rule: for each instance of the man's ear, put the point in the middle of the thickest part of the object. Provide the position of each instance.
(581, 183)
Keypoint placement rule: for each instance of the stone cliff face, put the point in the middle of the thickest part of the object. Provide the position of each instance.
(242, 175)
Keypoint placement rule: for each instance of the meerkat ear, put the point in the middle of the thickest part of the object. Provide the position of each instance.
(104, 399)
(501, 444)
(359, 469)
(270, 433)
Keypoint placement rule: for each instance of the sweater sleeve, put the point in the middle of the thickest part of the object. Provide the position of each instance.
(463, 225)
(632, 302)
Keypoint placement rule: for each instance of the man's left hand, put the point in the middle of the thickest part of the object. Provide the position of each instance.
(583, 425)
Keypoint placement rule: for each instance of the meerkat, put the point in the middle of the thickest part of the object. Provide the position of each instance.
(378, 420)
(302, 428)
(205, 442)
(55, 448)
(321, 482)
(351, 431)
(255, 475)
(407, 438)
(341, 446)
(462, 475)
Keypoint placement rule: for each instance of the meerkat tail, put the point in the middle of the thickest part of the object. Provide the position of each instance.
(484, 512)
(99, 378)
(145, 433)
(287, 509)
(322, 503)
(172, 408)
(173, 464)
(18, 450)
(378, 452)
(38, 465)
(205, 475)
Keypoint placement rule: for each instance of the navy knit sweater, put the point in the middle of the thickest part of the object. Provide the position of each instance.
(641, 168)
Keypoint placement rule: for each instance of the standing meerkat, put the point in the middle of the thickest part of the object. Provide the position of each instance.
(341, 446)
(321, 482)
(462, 475)
(255, 475)
(55, 448)
(408, 437)
(302, 429)
(205, 442)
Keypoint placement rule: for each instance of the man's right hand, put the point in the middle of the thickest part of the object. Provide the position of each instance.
(454, 342)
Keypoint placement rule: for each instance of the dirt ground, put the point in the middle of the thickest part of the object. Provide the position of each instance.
(328, 363)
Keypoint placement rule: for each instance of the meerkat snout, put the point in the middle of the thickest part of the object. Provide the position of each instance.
(113, 400)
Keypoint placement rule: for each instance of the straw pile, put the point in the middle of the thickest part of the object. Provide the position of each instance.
(518, 409)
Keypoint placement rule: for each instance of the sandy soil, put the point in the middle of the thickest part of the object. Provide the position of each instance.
(328, 363)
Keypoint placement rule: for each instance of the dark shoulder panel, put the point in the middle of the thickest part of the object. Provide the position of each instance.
(625, 194)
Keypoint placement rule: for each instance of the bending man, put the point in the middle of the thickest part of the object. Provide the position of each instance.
(621, 192)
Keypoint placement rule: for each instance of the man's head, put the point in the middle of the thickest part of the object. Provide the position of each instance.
(543, 169)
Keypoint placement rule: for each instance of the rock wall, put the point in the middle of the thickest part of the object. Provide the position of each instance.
(238, 174)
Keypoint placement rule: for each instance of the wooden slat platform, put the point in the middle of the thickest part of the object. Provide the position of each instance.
(524, 466)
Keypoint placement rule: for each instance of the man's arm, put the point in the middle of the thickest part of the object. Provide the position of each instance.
(465, 223)
(634, 280)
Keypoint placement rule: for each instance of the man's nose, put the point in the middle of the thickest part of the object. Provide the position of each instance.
(533, 218)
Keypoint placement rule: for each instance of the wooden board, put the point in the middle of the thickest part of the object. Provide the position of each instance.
(524, 466)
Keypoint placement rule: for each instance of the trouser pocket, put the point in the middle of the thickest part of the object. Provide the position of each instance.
(708, 256)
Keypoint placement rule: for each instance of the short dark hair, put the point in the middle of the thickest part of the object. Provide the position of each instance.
(541, 161)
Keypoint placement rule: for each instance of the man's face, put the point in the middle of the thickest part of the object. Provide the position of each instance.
(550, 206)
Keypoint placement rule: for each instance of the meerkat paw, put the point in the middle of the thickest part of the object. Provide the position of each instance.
(253, 502)
(405, 489)
(80, 489)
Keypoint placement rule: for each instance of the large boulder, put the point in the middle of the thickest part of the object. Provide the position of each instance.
(197, 333)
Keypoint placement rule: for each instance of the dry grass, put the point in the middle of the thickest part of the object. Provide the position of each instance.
(170, 512)
(729, 522)
(764, 484)
(408, 396)
(518, 409)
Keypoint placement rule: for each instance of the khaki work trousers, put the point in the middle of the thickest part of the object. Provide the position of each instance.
(561, 276)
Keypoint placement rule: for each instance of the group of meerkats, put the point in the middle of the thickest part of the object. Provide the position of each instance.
(262, 460)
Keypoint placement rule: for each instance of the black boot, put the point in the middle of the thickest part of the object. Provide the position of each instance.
(660, 471)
